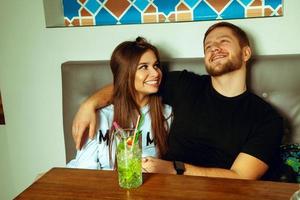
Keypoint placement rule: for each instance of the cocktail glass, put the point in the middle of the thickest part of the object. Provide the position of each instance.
(129, 159)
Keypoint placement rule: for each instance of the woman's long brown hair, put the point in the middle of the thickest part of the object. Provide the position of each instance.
(124, 61)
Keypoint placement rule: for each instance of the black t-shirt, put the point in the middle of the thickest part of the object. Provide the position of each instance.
(210, 130)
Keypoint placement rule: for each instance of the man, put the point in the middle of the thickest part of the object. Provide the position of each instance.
(220, 129)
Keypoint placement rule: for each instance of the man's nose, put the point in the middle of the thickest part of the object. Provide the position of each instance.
(215, 48)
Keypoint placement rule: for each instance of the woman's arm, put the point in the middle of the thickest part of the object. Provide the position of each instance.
(85, 118)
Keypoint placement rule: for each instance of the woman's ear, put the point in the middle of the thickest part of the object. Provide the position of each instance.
(247, 52)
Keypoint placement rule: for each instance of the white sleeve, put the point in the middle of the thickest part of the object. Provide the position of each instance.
(103, 139)
(87, 157)
(168, 113)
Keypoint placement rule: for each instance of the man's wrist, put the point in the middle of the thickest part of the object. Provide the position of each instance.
(179, 167)
(89, 104)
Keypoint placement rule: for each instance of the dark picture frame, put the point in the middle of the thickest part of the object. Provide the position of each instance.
(2, 119)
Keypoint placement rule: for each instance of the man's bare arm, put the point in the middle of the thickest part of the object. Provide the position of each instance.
(85, 119)
(245, 166)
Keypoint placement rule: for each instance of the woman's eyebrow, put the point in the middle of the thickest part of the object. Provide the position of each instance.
(144, 63)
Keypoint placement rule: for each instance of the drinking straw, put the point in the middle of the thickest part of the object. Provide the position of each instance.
(135, 130)
(118, 129)
(116, 125)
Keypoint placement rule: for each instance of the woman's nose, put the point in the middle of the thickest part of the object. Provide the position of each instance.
(154, 72)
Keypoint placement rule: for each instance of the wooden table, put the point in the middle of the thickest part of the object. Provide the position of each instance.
(63, 183)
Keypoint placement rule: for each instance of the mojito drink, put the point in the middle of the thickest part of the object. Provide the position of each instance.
(129, 159)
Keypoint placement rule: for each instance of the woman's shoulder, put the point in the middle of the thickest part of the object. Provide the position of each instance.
(105, 118)
(167, 110)
(107, 109)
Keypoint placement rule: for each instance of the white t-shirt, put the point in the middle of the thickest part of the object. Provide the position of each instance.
(95, 153)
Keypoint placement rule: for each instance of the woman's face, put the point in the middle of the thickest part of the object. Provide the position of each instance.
(148, 76)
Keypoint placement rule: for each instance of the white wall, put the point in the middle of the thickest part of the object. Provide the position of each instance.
(30, 79)
(5, 173)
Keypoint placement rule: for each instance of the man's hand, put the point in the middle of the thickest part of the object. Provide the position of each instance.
(84, 122)
(154, 165)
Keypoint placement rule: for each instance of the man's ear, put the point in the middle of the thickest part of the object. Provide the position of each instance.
(246, 53)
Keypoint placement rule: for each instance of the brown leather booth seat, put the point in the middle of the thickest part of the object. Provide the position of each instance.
(275, 78)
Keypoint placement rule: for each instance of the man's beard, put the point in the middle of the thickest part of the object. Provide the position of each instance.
(231, 65)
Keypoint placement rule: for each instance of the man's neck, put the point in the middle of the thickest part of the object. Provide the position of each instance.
(230, 84)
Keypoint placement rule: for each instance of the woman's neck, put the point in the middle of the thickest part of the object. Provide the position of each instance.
(142, 100)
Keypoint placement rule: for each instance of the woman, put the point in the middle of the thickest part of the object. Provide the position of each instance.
(137, 75)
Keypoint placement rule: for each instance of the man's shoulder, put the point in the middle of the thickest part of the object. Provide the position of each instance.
(262, 105)
(259, 100)
(187, 76)
(186, 73)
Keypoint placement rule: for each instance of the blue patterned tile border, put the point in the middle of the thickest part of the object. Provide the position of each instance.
(109, 12)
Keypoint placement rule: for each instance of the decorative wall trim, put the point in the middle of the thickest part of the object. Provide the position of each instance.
(110, 12)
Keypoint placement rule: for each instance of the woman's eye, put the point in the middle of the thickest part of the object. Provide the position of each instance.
(143, 67)
(156, 66)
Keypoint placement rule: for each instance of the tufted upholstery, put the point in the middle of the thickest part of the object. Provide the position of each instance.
(275, 78)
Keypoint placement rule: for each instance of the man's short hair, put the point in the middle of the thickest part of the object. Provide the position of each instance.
(237, 31)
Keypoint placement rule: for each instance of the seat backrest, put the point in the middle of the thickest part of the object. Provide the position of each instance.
(274, 78)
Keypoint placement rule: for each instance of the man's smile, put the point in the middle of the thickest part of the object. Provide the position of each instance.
(218, 57)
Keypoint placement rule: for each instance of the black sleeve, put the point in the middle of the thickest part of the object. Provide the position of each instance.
(265, 141)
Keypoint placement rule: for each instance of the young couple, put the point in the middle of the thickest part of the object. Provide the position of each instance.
(220, 128)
